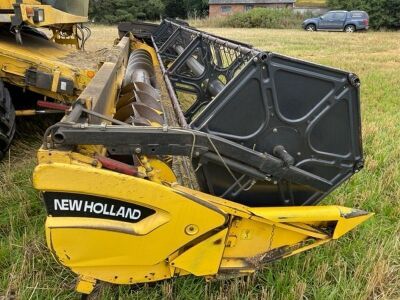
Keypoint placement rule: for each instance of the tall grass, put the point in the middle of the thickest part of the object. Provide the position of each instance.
(364, 264)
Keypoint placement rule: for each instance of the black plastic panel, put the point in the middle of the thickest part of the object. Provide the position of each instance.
(304, 114)
(311, 110)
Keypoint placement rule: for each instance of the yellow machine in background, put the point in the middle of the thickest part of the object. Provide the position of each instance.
(139, 190)
(37, 71)
(62, 17)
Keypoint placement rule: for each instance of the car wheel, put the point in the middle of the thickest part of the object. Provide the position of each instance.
(350, 28)
(311, 27)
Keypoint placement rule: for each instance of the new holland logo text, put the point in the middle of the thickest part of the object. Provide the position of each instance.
(87, 206)
(96, 208)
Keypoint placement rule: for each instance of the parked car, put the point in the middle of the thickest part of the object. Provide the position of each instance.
(339, 20)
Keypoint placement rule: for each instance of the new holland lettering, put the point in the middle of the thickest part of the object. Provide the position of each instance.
(97, 208)
(75, 205)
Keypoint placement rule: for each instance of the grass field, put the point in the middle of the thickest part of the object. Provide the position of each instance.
(365, 264)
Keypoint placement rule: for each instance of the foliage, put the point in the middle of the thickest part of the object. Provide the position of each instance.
(383, 13)
(114, 11)
(185, 8)
(264, 18)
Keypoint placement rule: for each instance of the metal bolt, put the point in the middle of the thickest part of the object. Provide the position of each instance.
(275, 130)
(191, 229)
(138, 150)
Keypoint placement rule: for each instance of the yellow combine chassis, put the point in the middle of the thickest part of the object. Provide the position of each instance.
(52, 16)
(32, 61)
(35, 14)
(145, 227)
(45, 62)
(35, 66)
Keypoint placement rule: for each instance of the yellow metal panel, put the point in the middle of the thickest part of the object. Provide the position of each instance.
(303, 213)
(161, 171)
(180, 238)
(348, 223)
(228, 206)
(203, 258)
(103, 90)
(273, 232)
(7, 4)
(142, 228)
(256, 238)
(136, 44)
(43, 55)
(52, 16)
(56, 78)
(68, 157)
(85, 285)
(127, 274)
(98, 182)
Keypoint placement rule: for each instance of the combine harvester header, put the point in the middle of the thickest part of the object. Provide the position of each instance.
(296, 125)
(191, 154)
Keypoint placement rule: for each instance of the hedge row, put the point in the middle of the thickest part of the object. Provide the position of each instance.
(265, 18)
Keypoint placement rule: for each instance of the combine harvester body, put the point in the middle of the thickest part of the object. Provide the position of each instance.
(185, 153)
(266, 136)
(36, 74)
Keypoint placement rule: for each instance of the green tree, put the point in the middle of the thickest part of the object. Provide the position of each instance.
(197, 8)
(383, 13)
(114, 11)
(185, 8)
(175, 8)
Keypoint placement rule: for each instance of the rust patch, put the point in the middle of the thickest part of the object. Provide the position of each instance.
(218, 242)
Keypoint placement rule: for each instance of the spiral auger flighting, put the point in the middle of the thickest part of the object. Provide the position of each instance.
(139, 103)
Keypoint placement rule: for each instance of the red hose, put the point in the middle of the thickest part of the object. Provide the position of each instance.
(52, 105)
(117, 166)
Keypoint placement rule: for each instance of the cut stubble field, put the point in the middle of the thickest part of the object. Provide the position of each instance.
(365, 264)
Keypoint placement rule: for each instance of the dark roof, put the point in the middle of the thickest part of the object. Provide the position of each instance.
(250, 1)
